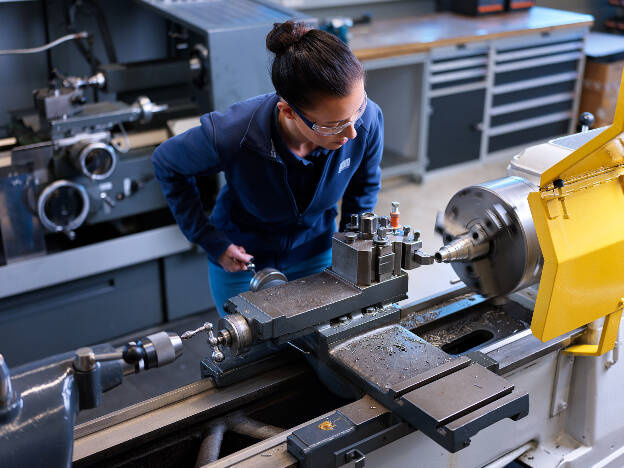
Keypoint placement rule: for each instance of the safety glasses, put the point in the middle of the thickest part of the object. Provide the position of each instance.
(329, 131)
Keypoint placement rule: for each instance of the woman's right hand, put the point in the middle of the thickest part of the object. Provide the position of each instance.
(234, 259)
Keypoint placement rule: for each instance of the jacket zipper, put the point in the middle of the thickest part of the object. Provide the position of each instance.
(274, 157)
(321, 180)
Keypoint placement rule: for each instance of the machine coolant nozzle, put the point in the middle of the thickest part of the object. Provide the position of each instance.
(467, 247)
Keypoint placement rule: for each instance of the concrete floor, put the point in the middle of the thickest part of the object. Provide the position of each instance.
(420, 204)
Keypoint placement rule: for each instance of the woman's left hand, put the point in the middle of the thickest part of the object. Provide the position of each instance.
(235, 258)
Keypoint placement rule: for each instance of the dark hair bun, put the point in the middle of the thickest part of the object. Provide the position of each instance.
(283, 35)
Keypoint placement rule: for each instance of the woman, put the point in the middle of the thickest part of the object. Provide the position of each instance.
(288, 158)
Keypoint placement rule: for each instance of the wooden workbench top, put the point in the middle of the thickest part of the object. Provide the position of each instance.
(388, 38)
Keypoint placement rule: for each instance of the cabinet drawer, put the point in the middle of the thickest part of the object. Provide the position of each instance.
(532, 112)
(537, 72)
(458, 73)
(459, 50)
(535, 92)
(454, 137)
(528, 135)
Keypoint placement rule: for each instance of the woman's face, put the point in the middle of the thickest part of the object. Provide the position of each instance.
(331, 111)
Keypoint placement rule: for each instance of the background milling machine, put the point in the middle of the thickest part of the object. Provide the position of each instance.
(456, 379)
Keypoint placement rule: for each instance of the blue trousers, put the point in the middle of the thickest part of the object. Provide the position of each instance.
(225, 285)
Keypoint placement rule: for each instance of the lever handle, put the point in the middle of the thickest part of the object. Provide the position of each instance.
(213, 341)
(217, 353)
(191, 333)
(586, 120)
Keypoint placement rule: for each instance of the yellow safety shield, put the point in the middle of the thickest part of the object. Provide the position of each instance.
(579, 218)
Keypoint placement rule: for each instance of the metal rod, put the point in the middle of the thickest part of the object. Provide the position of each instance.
(6, 391)
(109, 356)
(506, 341)
(299, 349)
(511, 456)
(34, 50)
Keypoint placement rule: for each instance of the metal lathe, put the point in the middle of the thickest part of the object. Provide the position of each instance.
(521, 363)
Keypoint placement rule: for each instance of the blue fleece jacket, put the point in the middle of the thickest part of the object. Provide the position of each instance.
(256, 208)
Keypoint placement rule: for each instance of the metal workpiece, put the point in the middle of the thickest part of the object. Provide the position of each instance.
(489, 237)
(470, 246)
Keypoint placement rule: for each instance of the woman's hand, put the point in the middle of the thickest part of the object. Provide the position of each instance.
(234, 259)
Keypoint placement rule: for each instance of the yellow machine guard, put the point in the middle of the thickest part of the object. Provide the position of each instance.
(579, 218)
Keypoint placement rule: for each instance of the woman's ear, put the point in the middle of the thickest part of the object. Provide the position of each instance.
(285, 109)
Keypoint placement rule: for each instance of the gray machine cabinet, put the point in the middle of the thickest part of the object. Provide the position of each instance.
(83, 312)
(234, 32)
(187, 289)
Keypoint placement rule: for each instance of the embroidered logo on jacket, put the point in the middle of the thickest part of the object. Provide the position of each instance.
(344, 165)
